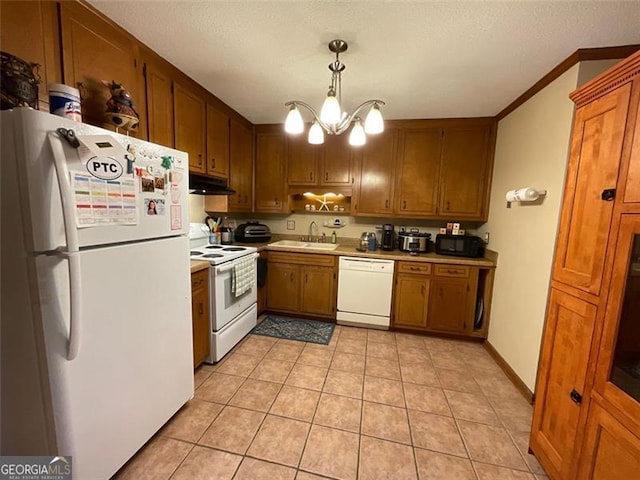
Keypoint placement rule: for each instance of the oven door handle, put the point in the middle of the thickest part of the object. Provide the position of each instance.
(231, 264)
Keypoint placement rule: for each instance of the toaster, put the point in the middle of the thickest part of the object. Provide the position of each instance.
(252, 232)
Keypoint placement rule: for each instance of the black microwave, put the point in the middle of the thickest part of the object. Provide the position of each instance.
(459, 245)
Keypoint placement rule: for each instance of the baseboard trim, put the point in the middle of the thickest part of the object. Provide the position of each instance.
(509, 372)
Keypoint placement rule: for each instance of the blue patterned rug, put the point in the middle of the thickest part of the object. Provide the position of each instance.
(313, 331)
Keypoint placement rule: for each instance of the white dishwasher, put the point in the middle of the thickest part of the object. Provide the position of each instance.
(364, 292)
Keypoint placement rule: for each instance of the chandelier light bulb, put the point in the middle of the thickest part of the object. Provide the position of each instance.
(294, 123)
(357, 137)
(374, 123)
(316, 134)
(331, 112)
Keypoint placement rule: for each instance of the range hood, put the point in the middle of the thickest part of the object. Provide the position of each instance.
(201, 185)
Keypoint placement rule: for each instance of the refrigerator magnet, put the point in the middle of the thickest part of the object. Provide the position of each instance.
(154, 206)
(176, 217)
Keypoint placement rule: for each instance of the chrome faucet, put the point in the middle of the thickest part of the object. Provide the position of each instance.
(313, 226)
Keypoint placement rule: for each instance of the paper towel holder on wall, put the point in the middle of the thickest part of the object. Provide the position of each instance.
(524, 194)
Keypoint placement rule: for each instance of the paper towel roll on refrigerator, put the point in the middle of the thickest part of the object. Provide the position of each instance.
(526, 194)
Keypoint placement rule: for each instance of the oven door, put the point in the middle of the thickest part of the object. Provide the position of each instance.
(224, 305)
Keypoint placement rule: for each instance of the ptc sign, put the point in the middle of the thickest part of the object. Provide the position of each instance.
(105, 168)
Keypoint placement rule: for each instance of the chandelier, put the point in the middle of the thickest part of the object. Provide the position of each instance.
(332, 119)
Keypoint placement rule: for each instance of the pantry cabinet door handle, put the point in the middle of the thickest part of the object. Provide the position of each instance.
(201, 309)
(575, 397)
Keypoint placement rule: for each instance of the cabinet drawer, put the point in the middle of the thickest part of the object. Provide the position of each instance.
(458, 271)
(303, 259)
(199, 280)
(414, 267)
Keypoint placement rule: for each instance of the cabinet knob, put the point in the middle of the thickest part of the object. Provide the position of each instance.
(326, 176)
(422, 290)
(404, 205)
(311, 176)
(386, 203)
(213, 160)
(201, 309)
(608, 195)
(575, 397)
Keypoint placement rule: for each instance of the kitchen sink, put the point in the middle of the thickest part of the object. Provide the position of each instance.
(305, 245)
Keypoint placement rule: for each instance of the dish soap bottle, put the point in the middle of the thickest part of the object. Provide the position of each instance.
(334, 238)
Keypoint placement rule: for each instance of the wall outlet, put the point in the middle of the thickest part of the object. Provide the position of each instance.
(291, 224)
(486, 237)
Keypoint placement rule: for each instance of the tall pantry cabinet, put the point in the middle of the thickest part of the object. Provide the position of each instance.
(586, 421)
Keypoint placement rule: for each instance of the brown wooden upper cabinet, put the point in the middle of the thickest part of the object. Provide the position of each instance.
(596, 148)
(329, 164)
(374, 194)
(302, 161)
(464, 173)
(93, 50)
(418, 171)
(190, 125)
(270, 194)
(432, 169)
(241, 167)
(217, 142)
(159, 83)
(29, 30)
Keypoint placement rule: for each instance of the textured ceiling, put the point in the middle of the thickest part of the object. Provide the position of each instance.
(425, 59)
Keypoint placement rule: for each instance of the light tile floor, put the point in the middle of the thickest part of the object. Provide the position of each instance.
(371, 405)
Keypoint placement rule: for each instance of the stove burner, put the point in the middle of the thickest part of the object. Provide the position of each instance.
(195, 252)
(213, 247)
(213, 255)
(233, 249)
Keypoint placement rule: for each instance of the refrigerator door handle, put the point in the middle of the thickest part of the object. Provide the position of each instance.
(72, 253)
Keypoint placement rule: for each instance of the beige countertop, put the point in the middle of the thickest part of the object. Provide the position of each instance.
(197, 265)
(349, 249)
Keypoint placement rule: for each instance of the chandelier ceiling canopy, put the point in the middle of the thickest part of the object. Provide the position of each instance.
(332, 119)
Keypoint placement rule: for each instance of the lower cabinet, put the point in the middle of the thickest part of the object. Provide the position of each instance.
(200, 315)
(561, 382)
(435, 297)
(302, 283)
(610, 451)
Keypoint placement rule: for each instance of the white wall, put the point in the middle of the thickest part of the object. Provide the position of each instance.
(531, 150)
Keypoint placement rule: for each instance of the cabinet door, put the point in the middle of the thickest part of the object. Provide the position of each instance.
(375, 192)
(94, 50)
(302, 161)
(563, 367)
(241, 167)
(336, 161)
(159, 104)
(318, 291)
(611, 452)
(618, 367)
(283, 287)
(463, 178)
(418, 171)
(594, 161)
(189, 123)
(632, 188)
(410, 301)
(270, 182)
(200, 316)
(449, 304)
(217, 143)
(29, 30)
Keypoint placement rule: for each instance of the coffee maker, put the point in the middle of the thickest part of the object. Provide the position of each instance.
(387, 237)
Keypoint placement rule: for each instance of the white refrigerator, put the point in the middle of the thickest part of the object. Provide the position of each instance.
(96, 346)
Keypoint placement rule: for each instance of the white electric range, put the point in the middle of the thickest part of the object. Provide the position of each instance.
(231, 316)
